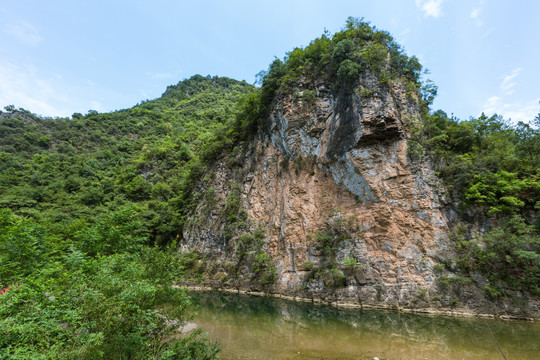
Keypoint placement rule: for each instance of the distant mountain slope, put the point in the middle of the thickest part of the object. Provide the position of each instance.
(58, 170)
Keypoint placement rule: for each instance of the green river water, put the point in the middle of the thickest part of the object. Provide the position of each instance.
(253, 327)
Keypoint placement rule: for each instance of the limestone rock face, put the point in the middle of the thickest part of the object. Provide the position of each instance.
(341, 159)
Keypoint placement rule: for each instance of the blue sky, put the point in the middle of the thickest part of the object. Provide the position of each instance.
(59, 57)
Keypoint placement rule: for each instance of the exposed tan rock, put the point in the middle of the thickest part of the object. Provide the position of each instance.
(345, 157)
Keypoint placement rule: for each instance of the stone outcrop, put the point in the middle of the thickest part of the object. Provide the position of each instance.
(339, 165)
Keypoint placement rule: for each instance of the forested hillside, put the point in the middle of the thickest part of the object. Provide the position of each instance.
(59, 170)
(85, 200)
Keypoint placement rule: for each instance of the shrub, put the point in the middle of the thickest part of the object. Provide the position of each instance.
(264, 270)
(350, 263)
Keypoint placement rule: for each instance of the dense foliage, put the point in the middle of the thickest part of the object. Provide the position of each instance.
(58, 170)
(113, 302)
(492, 169)
(340, 59)
(96, 192)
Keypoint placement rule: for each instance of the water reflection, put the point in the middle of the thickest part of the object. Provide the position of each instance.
(252, 327)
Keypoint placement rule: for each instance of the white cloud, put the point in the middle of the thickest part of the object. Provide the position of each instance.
(515, 110)
(488, 32)
(404, 33)
(431, 8)
(475, 15)
(26, 86)
(24, 32)
(143, 93)
(21, 85)
(508, 83)
(492, 102)
(96, 105)
(511, 107)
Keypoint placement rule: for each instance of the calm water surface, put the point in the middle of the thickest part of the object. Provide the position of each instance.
(252, 327)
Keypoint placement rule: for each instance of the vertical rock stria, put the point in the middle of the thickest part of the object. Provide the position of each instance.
(336, 167)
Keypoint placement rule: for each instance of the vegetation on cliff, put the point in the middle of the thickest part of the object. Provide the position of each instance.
(489, 165)
(336, 61)
(339, 60)
(491, 170)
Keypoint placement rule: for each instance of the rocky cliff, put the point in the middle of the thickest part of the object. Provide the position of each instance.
(326, 204)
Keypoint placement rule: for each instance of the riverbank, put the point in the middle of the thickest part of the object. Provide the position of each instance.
(346, 305)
